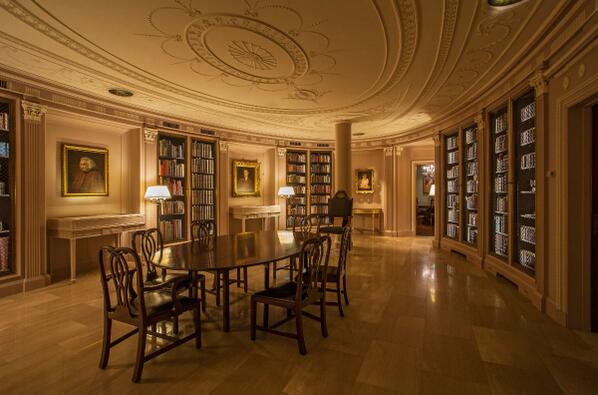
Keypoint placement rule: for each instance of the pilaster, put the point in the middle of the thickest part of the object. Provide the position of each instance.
(33, 225)
(223, 191)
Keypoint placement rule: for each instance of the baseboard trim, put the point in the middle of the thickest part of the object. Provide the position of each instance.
(30, 284)
(559, 316)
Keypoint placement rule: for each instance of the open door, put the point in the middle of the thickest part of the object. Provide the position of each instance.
(594, 268)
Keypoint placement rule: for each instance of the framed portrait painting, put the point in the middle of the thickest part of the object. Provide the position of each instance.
(246, 178)
(84, 171)
(364, 181)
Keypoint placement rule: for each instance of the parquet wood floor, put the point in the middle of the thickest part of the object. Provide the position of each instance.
(420, 321)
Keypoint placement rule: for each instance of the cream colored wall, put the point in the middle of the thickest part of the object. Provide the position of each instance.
(123, 153)
(373, 159)
(266, 156)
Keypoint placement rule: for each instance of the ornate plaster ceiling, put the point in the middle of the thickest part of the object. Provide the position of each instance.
(280, 68)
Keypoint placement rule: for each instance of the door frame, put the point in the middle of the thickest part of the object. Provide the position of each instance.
(414, 164)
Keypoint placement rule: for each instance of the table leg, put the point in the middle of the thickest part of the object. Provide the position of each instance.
(226, 302)
(267, 276)
(73, 257)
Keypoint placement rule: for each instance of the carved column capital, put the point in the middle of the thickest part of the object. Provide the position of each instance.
(539, 82)
(398, 150)
(387, 151)
(33, 112)
(282, 152)
(223, 146)
(150, 135)
(436, 139)
(479, 120)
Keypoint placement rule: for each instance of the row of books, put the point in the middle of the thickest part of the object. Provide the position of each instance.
(452, 186)
(472, 219)
(320, 158)
(172, 229)
(471, 202)
(472, 186)
(500, 144)
(500, 123)
(320, 168)
(296, 157)
(451, 142)
(472, 151)
(452, 201)
(502, 204)
(527, 259)
(4, 254)
(453, 215)
(4, 149)
(501, 244)
(321, 178)
(471, 135)
(528, 136)
(298, 200)
(319, 209)
(320, 199)
(291, 168)
(175, 186)
(452, 157)
(173, 207)
(500, 183)
(296, 179)
(203, 150)
(528, 112)
(202, 181)
(171, 168)
(472, 235)
(298, 210)
(528, 234)
(451, 230)
(321, 188)
(472, 169)
(300, 189)
(500, 223)
(452, 172)
(4, 121)
(528, 161)
(202, 212)
(166, 148)
(202, 197)
(202, 165)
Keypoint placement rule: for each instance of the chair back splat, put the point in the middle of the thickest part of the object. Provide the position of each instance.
(147, 243)
(314, 258)
(340, 206)
(202, 229)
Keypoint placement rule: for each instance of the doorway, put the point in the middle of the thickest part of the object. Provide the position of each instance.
(594, 236)
(424, 193)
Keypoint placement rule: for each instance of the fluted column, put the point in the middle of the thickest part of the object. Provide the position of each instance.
(33, 225)
(223, 191)
(437, 187)
(342, 171)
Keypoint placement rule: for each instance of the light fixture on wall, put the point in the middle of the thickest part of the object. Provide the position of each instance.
(432, 194)
(157, 194)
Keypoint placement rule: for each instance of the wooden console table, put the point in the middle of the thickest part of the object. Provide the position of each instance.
(243, 213)
(74, 228)
(373, 213)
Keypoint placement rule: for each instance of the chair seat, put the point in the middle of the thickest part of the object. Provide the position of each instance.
(331, 274)
(160, 302)
(286, 291)
(337, 230)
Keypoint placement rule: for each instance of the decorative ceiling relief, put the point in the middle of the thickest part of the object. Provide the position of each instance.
(245, 52)
(275, 68)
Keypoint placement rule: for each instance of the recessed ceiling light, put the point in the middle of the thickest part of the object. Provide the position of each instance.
(358, 134)
(120, 92)
(501, 3)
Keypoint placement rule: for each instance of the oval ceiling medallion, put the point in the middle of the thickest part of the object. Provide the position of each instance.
(247, 49)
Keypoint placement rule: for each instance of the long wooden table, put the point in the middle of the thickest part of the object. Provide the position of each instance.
(221, 254)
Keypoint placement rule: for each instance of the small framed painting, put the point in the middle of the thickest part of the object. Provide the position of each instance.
(246, 178)
(84, 171)
(364, 181)
(427, 184)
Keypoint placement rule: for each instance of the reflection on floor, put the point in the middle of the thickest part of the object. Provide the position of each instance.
(424, 230)
(420, 321)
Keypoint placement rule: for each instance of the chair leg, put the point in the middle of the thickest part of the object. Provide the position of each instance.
(338, 297)
(202, 284)
(253, 319)
(106, 343)
(266, 315)
(140, 354)
(175, 325)
(291, 267)
(300, 337)
(217, 277)
(323, 322)
(238, 278)
(245, 279)
(274, 271)
(345, 289)
(197, 321)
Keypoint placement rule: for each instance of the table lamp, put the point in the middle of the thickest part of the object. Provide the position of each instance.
(287, 192)
(157, 194)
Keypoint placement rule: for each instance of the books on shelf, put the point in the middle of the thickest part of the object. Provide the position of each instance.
(452, 172)
(300, 189)
(296, 179)
(471, 235)
(172, 229)
(452, 157)
(4, 121)
(175, 186)
(451, 143)
(500, 223)
(319, 209)
(202, 181)
(202, 150)
(451, 230)
(171, 168)
(320, 199)
(501, 244)
(169, 149)
(5, 254)
(201, 165)
(528, 161)
(202, 212)
(171, 207)
(500, 123)
(319, 168)
(202, 196)
(528, 234)
(296, 157)
(321, 188)
(528, 112)
(320, 158)
(528, 136)
(321, 178)
(4, 149)
(293, 168)
(527, 259)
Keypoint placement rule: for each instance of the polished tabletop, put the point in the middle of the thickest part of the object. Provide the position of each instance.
(231, 251)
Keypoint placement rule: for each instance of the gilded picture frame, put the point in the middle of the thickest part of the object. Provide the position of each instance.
(364, 181)
(85, 171)
(246, 178)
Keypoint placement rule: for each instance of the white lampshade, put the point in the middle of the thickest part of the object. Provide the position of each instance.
(432, 190)
(156, 193)
(286, 192)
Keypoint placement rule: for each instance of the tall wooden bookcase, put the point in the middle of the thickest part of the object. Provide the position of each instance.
(188, 166)
(7, 183)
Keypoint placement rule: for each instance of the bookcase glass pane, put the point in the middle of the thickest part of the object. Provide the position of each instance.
(524, 113)
(203, 180)
(171, 172)
(6, 206)
(297, 178)
(499, 162)
(471, 192)
(452, 185)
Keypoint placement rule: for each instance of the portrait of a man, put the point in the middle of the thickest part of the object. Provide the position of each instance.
(246, 178)
(364, 181)
(84, 171)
